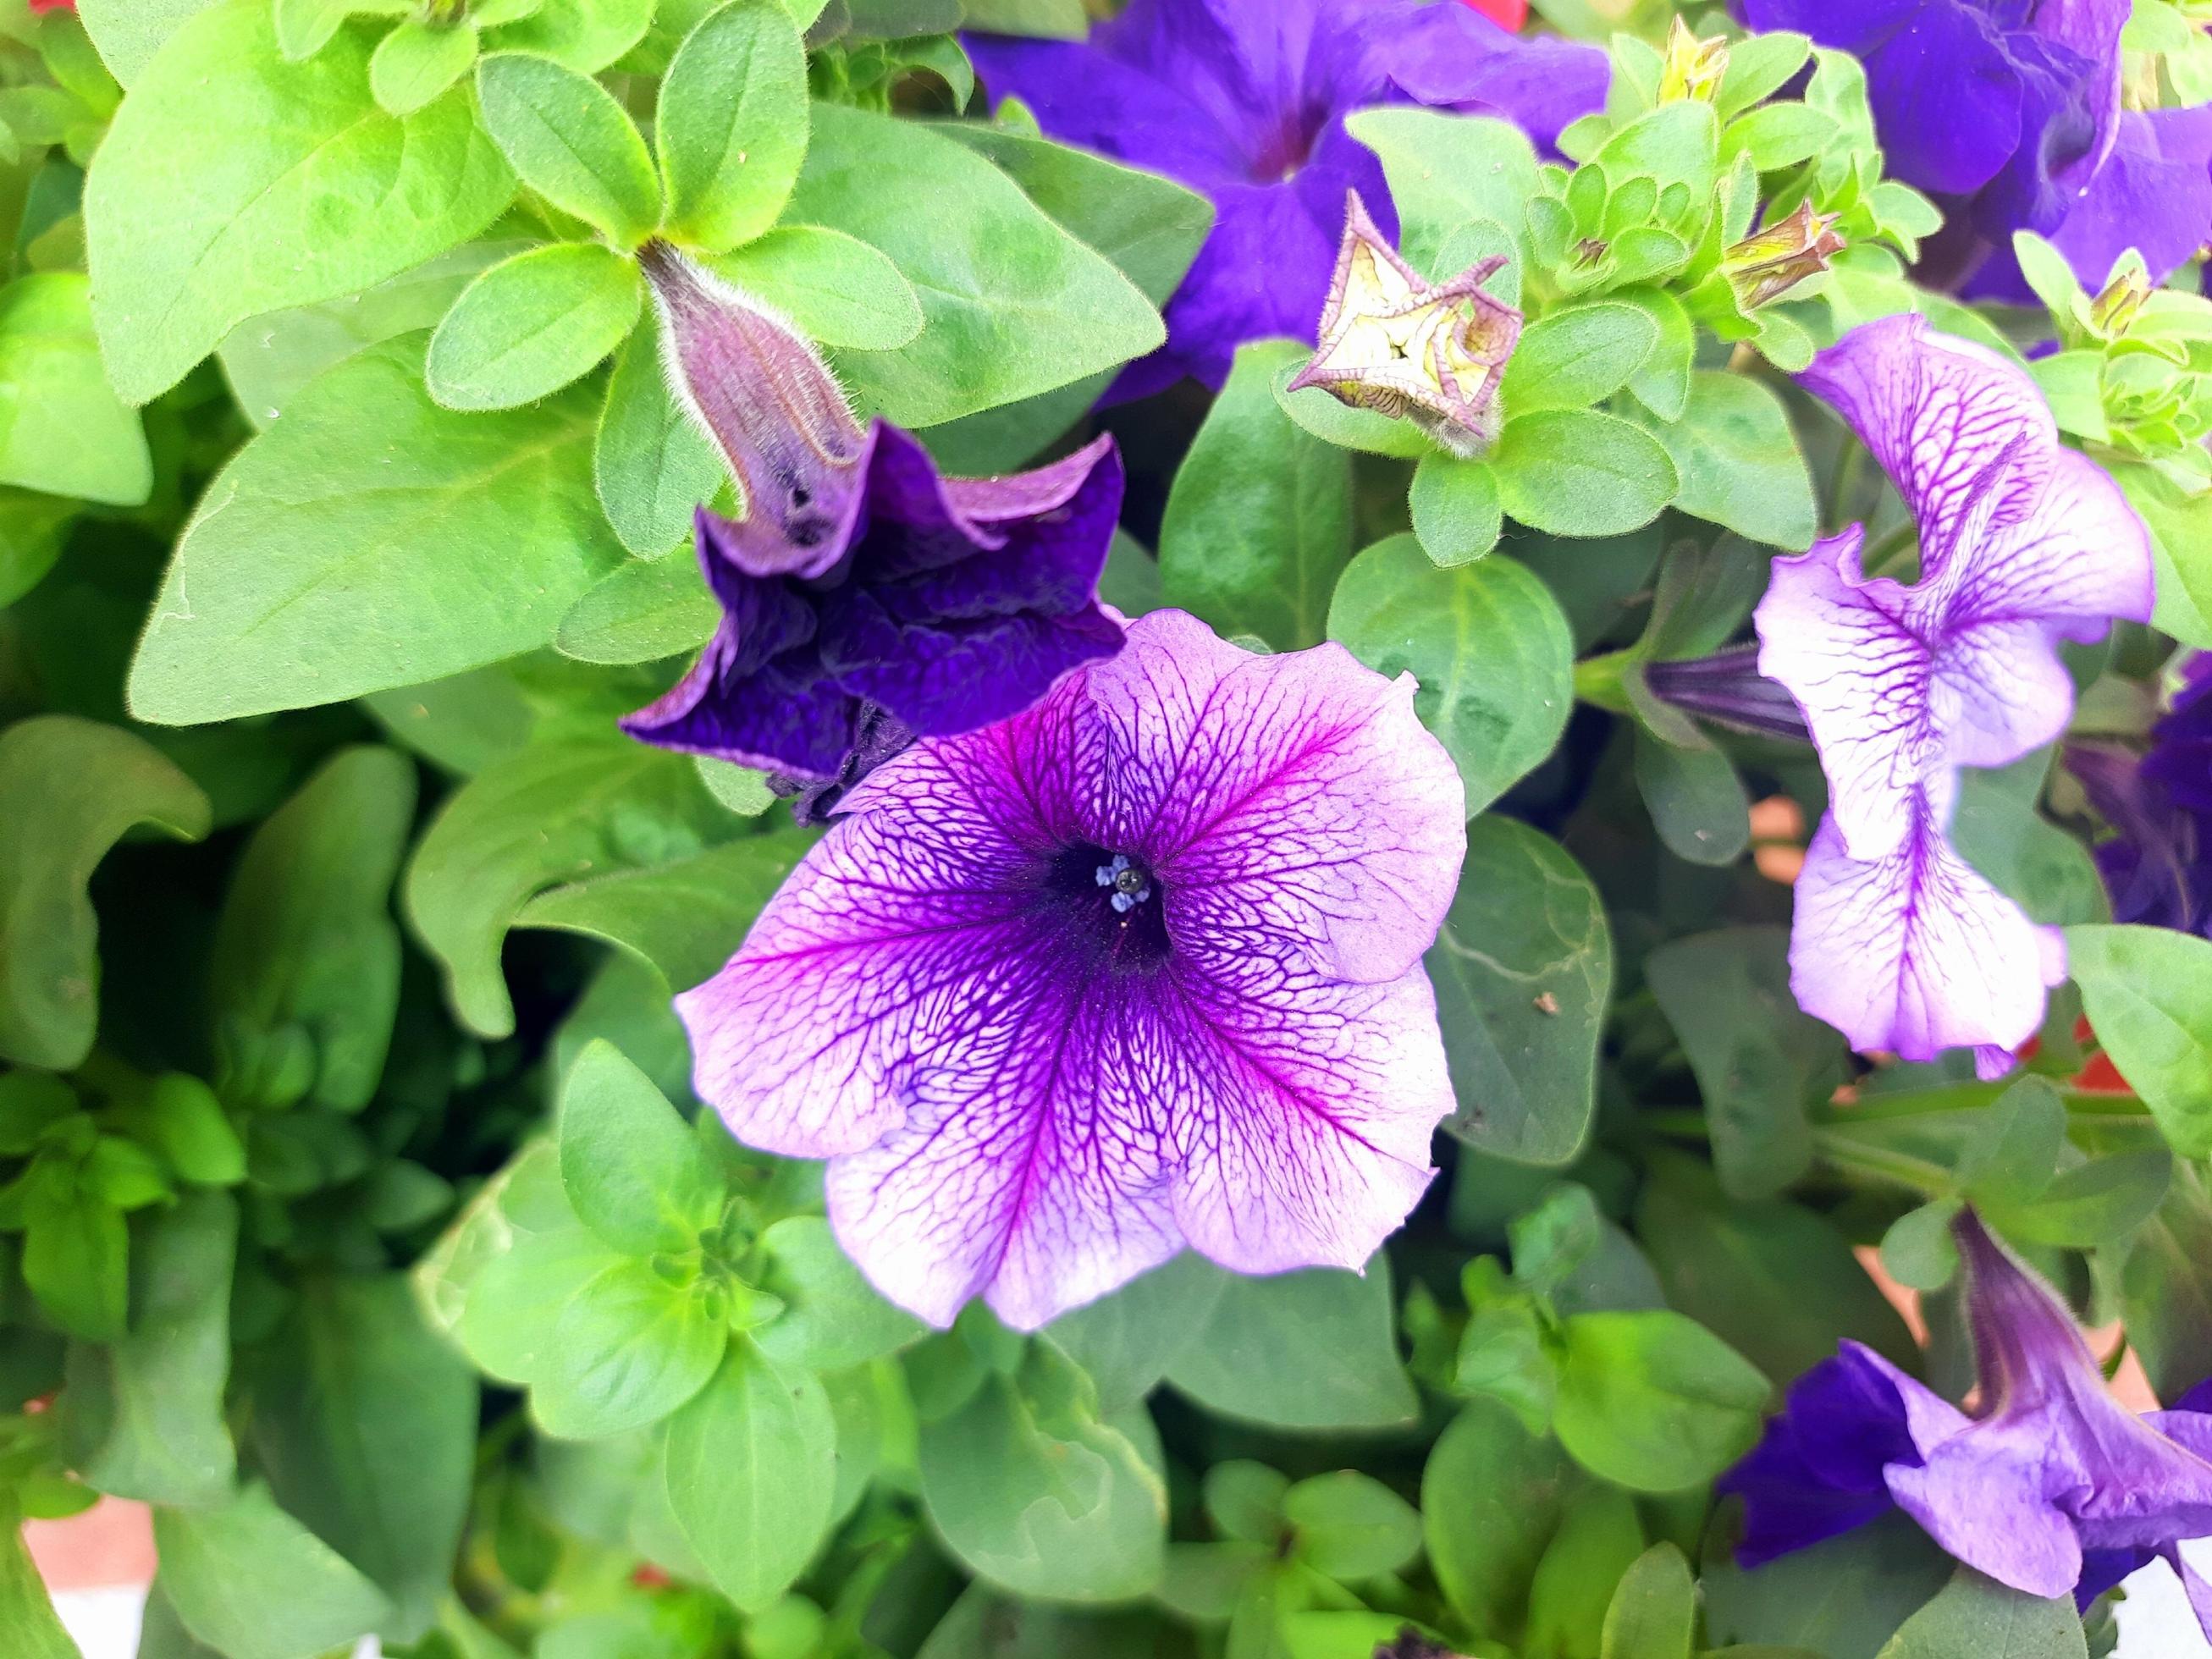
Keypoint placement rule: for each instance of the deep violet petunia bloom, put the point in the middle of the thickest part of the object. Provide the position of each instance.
(2051, 1486)
(1245, 103)
(865, 599)
(1136, 971)
(2008, 113)
(2158, 865)
(1897, 942)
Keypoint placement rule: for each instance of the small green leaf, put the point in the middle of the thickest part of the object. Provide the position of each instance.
(68, 790)
(750, 1470)
(583, 35)
(1654, 1614)
(1444, 170)
(62, 430)
(418, 60)
(1491, 1497)
(2148, 992)
(1310, 1350)
(1577, 472)
(1454, 504)
(836, 288)
(833, 1319)
(1654, 1401)
(1978, 1616)
(25, 1611)
(530, 324)
(732, 125)
(567, 139)
(76, 1256)
(1569, 359)
(251, 1582)
(651, 466)
(631, 1167)
(1918, 1250)
(1662, 384)
(1698, 803)
(1738, 462)
(647, 610)
(1349, 1525)
(1485, 641)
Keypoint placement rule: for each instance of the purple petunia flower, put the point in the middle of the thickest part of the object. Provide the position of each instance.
(865, 599)
(2158, 865)
(1138, 969)
(1897, 942)
(1244, 102)
(2050, 1487)
(2008, 113)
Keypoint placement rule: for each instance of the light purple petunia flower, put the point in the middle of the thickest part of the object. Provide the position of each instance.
(2051, 1486)
(1136, 970)
(1244, 101)
(1897, 942)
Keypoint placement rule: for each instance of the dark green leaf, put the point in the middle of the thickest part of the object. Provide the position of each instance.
(1310, 1350)
(1698, 803)
(2148, 992)
(1842, 1599)
(1127, 1340)
(1978, 1616)
(1738, 463)
(1454, 508)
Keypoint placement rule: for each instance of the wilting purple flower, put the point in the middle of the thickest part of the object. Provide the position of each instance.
(865, 599)
(2050, 1486)
(2008, 112)
(2158, 865)
(1245, 103)
(1897, 942)
(1138, 969)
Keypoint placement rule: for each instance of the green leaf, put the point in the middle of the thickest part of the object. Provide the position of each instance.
(1039, 1495)
(1662, 384)
(2181, 548)
(750, 1472)
(836, 288)
(731, 125)
(1919, 1250)
(833, 1319)
(632, 1169)
(1698, 803)
(418, 60)
(1126, 1341)
(1978, 1616)
(1454, 508)
(1778, 136)
(645, 611)
(1055, 19)
(2148, 992)
(557, 812)
(143, 1418)
(652, 466)
(1760, 1063)
(567, 138)
(1349, 1525)
(583, 35)
(1577, 472)
(1485, 641)
(1309, 1350)
(1654, 1614)
(1444, 170)
(130, 32)
(2044, 870)
(251, 1582)
(232, 183)
(1841, 1599)
(2165, 1287)
(370, 539)
(306, 943)
(1316, 411)
(1012, 304)
(1491, 1497)
(1522, 968)
(1739, 463)
(1259, 517)
(1571, 358)
(76, 1250)
(1654, 1401)
(365, 1421)
(1598, 1539)
(531, 324)
(686, 917)
(34, 1629)
(984, 1625)
(62, 430)
(68, 790)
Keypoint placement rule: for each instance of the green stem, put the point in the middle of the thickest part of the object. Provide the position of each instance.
(1599, 680)
(1858, 1158)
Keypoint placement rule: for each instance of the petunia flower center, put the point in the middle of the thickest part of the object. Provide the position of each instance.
(1115, 908)
(1285, 149)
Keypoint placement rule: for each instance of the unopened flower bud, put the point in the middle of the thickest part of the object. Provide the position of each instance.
(1692, 70)
(1392, 343)
(2114, 309)
(1767, 264)
(763, 393)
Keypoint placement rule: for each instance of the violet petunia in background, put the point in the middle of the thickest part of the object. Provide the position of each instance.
(2158, 864)
(2008, 113)
(1245, 103)
(865, 599)
(1897, 942)
(1138, 969)
(2050, 1484)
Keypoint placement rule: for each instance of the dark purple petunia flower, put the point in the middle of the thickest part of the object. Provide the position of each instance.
(1244, 101)
(2008, 112)
(865, 599)
(2050, 1487)
(1137, 971)
(2158, 865)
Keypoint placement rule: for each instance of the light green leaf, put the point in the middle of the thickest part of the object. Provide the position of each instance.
(1662, 384)
(1577, 472)
(557, 812)
(631, 1167)
(1978, 1616)
(645, 611)
(1259, 518)
(251, 1582)
(232, 183)
(1654, 1401)
(1654, 1613)
(651, 466)
(370, 539)
(26, 1613)
(836, 288)
(1491, 1497)
(1569, 359)
(306, 944)
(130, 32)
(1522, 967)
(418, 60)
(1739, 463)
(2148, 992)
(567, 139)
(68, 790)
(2181, 548)
(1012, 304)
(1349, 1526)
(530, 324)
(62, 430)
(1445, 170)
(732, 125)
(1488, 644)
(1309, 1350)
(1125, 1341)
(833, 1319)
(1454, 504)
(583, 35)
